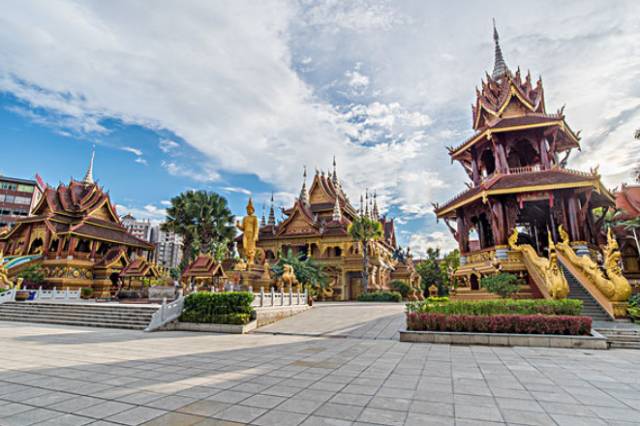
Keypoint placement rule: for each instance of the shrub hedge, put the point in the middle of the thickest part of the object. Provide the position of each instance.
(218, 308)
(517, 324)
(497, 307)
(380, 296)
(401, 287)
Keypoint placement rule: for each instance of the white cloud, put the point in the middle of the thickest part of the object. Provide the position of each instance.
(141, 160)
(149, 212)
(420, 242)
(236, 189)
(134, 151)
(204, 175)
(167, 145)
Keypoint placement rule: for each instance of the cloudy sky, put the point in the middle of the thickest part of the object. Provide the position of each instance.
(236, 96)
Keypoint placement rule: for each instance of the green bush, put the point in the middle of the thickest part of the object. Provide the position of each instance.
(437, 299)
(503, 284)
(86, 292)
(218, 308)
(401, 287)
(634, 313)
(634, 300)
(380, 296)
(498, 307)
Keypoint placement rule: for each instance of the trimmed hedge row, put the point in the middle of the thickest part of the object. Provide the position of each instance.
(569, 307)
(516, 324)
(218, 308)
(380, 296)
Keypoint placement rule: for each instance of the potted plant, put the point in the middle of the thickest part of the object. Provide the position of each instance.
(86, 292)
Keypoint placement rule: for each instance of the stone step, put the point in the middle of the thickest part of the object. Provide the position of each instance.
(624, 345)
(129, 317)
(62, 321)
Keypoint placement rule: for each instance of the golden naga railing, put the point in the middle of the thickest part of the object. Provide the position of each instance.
(544, 272)
(609, 287)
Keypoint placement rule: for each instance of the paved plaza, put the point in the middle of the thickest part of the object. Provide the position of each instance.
(62, 375)
(344, 319)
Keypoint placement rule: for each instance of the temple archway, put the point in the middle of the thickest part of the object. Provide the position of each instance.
(488, 162)
(474, 282)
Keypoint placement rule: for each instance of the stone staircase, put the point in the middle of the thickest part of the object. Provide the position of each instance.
(79, 314)
(590, 307)
(621, 338)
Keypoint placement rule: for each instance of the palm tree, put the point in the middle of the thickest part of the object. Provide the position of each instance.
(307, 271)
(365, 230)
(202, 218)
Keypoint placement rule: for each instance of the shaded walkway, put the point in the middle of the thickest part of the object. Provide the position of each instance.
(344, 319)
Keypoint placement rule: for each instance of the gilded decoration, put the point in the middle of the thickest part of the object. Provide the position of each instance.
(547, 270)
(250, 233)
(614, 286)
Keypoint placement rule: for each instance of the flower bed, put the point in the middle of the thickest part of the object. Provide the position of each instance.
(516, 324)
(218, 308)
(380, 296)
(568, 307)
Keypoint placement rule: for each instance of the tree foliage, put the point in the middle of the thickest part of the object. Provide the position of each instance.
(33, 274)
(437, 270)
(365, 230)
(503, 284)
(307, 271)
(203, 219)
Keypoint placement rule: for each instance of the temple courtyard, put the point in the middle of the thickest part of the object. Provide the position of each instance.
(355, 373)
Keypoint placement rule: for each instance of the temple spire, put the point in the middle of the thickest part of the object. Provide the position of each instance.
(500, 68)
(303, 192)
(376, 213)
(337, 213)
(272, 213)
(263, 221)
(334, 176)
(88, 178)
(366, 203)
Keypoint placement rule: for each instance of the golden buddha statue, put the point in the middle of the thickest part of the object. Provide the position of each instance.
(249, 228)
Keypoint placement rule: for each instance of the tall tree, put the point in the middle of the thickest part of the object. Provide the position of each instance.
(365, 230)
(430, 271)
(202, 218)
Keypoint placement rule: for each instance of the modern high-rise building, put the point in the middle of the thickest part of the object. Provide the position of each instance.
(17, 198)
(168, 251)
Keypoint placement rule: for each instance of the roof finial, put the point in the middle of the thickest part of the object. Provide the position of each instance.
(376, 214)
(334, 177)
(88, 178)
(272, 213)
(263, 221)
(337, 213)
(500, 68)
(366, 203)
(303, 192)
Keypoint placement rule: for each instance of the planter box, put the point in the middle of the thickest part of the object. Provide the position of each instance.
(211, 328)
(594, 341)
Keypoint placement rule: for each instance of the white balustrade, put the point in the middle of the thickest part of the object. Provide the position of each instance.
(273, 299)
(167, 313)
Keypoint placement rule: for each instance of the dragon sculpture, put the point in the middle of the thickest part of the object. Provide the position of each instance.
(5, 282)
(548, 269)
(614, 286)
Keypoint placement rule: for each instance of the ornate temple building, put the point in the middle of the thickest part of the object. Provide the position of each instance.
(75, 234)
(628, 206)
(518, 180)
(316, 226)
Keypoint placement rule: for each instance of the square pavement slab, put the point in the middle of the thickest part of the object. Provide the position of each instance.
(62, 375)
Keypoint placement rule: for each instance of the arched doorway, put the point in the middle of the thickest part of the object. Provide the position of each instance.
(474, 281)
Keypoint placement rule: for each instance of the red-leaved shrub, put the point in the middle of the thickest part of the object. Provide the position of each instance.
(518, 324)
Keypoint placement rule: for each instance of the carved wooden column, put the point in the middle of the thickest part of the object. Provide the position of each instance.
(498, 222)
(574, 227)
(463, 232)
(474, 166)
(73, 243)
(47, 241)
(544, 154)
(94, 245)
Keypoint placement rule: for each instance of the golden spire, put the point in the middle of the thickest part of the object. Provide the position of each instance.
(272, 213)
(337, 213)
(88, 178)
(500, 68)
(303, 192)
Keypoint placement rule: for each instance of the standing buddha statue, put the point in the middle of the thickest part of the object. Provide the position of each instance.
(249, 228)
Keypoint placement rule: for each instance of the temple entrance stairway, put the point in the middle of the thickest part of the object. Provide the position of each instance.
(590, 307)
(621, 338)
(466, 293)
(134, 317)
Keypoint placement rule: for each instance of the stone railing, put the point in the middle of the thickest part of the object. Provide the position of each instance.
(7, 296)
(279, 298)
(167, 313)
(56, 294)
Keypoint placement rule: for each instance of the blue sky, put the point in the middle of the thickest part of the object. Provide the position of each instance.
(236, 97)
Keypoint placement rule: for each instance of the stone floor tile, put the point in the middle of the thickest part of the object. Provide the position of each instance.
(170, 402)
(240, 413)
(569, 420)
(526, 417)
(204, 408)
(67, 420)
(230, 396)
(77, 403)
(140, 398)
(433, 408)
(299, 405)
(136, 416)
(351, 399)
(519, 404)
(386, 403)
(282, 390)
(175, 419)
(384, 417)
(198, 392)
(104, 409)
(12, 408)
(324, 421)
(218, 422)
(567, 409)
(279, 418)
(623, 414)
(29, 417)
(263, 401)
(339, 411)
(477, 412)
(420, 419)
